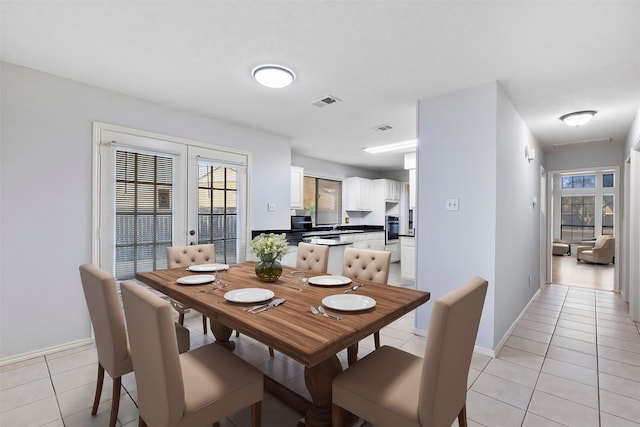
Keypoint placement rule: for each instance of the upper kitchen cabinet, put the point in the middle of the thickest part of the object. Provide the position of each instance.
(297, 185)
(392, 190)
(357, 194)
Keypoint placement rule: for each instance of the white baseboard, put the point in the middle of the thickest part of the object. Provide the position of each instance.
(45, 351)
(515, 323)
(485, 351)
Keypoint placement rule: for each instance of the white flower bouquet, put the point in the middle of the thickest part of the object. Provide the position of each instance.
(269, 246)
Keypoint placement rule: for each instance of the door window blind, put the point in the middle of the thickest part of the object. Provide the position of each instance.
(143, 212)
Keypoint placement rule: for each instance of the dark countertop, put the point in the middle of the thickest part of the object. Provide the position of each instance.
(295, 236)
(406, 235)
(325, 242)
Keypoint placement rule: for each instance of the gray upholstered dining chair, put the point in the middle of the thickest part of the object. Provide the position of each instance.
(186, 256)
(390, 387)
(367, 264)
(312, 257)
(105, 310)
(198, 388)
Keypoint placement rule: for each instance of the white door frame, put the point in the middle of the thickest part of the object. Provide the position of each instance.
(103, 139)
(633, 221)
(617, 222)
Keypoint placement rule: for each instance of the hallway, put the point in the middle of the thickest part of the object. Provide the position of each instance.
(567, 271)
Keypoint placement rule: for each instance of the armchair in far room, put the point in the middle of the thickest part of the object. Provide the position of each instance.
(560, 247)
(602, 252)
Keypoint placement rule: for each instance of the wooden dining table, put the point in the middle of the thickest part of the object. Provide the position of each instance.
(291, 328)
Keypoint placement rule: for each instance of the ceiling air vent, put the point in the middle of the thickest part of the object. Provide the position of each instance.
(382, 128)
(327, 100)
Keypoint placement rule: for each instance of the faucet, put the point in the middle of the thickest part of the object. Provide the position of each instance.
(335, 226)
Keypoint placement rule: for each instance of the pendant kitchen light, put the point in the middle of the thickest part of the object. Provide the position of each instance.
(273, 76)
(578, 118)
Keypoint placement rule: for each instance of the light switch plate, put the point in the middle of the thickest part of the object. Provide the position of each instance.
(452, 204)
(271, 207)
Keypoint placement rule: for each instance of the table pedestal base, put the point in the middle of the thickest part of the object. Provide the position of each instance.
(222, 334)
(319, 379)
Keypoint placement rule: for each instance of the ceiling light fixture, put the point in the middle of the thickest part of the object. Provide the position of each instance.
(578, 118)
(273, 76)
(406, 145)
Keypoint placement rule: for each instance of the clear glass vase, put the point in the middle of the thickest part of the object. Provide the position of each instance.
(268, 269)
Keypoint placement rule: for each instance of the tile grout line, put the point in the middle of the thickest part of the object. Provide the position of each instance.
(595, 312)
(526, 411)
(55, 393)
(598, 371)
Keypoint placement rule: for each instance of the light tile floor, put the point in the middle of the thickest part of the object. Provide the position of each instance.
(573, 360)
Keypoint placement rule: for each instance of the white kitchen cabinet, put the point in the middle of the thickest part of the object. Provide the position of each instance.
(370, 240)
(360, 241)
(357, 194)
(346, 238)
(394, 248)
(375, 240)
(297, 186)
(408, 258)
(392, 190)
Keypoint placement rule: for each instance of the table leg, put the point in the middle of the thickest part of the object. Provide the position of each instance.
(319, 379)
(222, 334)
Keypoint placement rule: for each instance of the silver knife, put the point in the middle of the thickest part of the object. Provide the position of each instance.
(274, 303)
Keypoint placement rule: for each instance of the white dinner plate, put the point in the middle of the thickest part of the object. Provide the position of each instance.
(329, 280)
(349, 302)
(248, 295)
(208, 267)
(198, 279)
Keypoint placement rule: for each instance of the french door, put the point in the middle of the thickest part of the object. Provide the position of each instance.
(155, 192)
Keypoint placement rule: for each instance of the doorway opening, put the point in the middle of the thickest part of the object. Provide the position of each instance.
(584, 207)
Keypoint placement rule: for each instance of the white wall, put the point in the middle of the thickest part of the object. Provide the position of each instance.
(630, 274)
(45, 205)
(471, 143)
(518, 218)
(330, 170)
(457, 159)
(583, 156)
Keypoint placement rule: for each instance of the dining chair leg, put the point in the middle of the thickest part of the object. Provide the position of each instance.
(256, 414)
(352, 354)
(96, 399)
(115, 401)
(181, 319)
(376, 339)
(271, 352)
(462, 417)
(204, 324)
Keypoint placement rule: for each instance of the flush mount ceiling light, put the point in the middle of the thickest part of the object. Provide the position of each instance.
(578, 118)
(273, 76)
(406, 145)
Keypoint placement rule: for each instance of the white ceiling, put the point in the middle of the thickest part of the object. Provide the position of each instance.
(378, 57)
